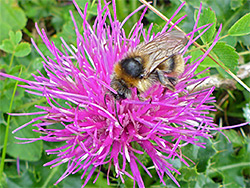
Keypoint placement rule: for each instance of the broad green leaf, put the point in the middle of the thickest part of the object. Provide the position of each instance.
(12, 15)
(227, 55)
(230, 40)
(188, 174)
(229, 161)
(26, 180)
(6, 97)
(207, 62)
(7, 46)
(11, 45)
(190, 178)
(200, 155)
(241, 27)
(36, 175)
(29, 152)
(22, 49)
(234, 137)
(225, 14)
(4, 30)
(12, 37)
(18, 37)
(207, 17)
(204, 155)
(205, 182)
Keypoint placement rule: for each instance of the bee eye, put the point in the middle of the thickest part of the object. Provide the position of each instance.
(141, 76)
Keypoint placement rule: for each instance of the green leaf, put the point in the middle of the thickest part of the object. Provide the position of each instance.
(29, 152)
(206, 17)
(188, 174)
(241, 27)
(26, 180)
(18, 37)
(22, 49)
(207, 62)
(229, 161)
(34, 175)
(200, 155)
(230, 40)
(205, 182)
(204, 155)
(190, 178)
(11, 45)
(227, 55)
(194, 3)
(234, 137)
(12, 15)
(4, 30)
(12, 37)
(7, 46)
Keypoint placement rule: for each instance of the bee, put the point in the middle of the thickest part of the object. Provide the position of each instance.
(158, 60)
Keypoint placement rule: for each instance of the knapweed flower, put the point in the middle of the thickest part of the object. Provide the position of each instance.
(80, 77)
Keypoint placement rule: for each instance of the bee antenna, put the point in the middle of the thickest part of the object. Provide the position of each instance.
(105, 97)
(116, 114)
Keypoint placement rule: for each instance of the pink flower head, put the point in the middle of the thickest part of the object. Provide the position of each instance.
(92, 136)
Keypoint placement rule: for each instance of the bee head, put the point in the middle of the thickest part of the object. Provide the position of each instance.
(121, 88)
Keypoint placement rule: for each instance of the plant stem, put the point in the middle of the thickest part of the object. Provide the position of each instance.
(53, 172)
(25, 30)
(7, 130)
(244, 53)
(11, 60)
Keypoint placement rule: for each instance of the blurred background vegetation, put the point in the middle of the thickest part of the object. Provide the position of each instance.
(221, 164)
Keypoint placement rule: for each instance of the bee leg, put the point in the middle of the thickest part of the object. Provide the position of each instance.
(173, 80)
(165, 82)
(142, 98)
(139, 96)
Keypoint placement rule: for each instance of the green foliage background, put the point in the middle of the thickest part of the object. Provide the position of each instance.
(221, 164)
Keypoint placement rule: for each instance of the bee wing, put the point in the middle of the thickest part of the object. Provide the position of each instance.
(160, 49)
